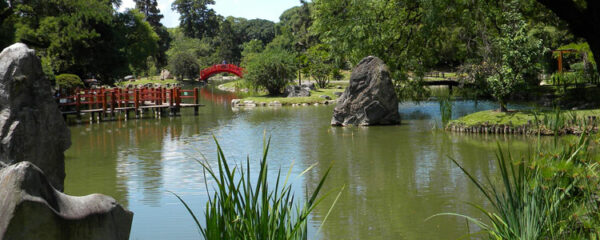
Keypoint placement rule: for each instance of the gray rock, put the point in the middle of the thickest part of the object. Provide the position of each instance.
(30, 208)
(325, 97)
(275, 104)
(310, 86)
(32, 127)
(370, 99)
(296, 91)
(338, 94)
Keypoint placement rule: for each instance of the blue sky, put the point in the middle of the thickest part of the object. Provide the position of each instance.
(250, 9)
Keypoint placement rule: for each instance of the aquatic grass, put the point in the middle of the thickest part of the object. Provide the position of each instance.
(546, 196)
(240, 209)
(445, 110)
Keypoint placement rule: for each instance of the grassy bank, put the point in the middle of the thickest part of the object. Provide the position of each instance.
(528, 122)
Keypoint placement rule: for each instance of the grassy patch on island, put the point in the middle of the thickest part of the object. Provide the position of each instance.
(517, 118)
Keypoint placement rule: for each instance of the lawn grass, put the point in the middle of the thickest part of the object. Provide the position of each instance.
(517, 118)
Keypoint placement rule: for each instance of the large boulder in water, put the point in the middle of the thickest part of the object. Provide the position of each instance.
(370, 99)
(30, 208)
(32, 126)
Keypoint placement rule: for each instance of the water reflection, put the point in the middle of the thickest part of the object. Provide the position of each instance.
(395, 176)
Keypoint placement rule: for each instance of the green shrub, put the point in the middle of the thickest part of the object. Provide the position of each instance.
(68, 81)
(184, 65)
(271, 69)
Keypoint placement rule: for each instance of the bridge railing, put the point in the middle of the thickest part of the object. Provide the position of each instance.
(103, 99)
(207, 72)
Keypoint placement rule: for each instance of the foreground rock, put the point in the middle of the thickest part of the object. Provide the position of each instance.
(370, 99)
(32, 128)
(30, 208)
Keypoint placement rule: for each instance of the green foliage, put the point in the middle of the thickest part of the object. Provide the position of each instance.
(271, 69)
(550, 196)
(241, 209)
(142, 41)
(319, 64)
(517, 58)
(68, 81)
(252, 47)
(196, 19)
(150, 9)
(394, 31)
(184, 65)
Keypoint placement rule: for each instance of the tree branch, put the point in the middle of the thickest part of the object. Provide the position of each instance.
(568, 11)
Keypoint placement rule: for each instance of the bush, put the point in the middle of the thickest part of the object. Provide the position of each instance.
(271, 69)
(184, 65)
(68, 81)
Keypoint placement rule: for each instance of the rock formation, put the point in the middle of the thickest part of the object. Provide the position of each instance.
(32, 128)
(296, 91)
(370, 99)
(30, 208)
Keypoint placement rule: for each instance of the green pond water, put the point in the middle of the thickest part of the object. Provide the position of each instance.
(394, 177)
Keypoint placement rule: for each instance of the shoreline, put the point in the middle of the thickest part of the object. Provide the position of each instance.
(528, 123)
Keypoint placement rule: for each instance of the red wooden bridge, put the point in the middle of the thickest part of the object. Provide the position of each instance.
(107, 102)
(221, 68)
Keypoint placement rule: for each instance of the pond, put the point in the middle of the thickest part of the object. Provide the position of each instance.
(394, 177)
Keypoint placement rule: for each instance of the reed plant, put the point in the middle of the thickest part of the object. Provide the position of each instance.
(445, 110)
(241, 209)
(551, 195)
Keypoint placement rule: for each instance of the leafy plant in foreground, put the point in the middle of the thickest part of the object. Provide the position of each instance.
(551, 196)
(239, 209)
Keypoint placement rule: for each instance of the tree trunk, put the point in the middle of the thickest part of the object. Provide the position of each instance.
(299, 77)
(502, 106)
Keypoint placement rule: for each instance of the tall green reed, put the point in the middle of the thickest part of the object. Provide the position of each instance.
(547, 196)
(240, 209)
(445, 110)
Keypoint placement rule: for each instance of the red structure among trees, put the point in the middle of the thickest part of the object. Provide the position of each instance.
(221, 68)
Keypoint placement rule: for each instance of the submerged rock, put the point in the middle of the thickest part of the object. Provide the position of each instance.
(32, 127)
(30, 208)
(370, 98)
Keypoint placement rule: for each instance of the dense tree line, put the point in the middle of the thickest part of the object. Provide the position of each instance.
(497, 46)
(84, 37)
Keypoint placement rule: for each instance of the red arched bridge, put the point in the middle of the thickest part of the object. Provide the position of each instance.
(221, 68)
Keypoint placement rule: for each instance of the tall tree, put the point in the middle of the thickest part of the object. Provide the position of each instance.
(153, 16)
(393, 30)
(583, 17)
(196, 18)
